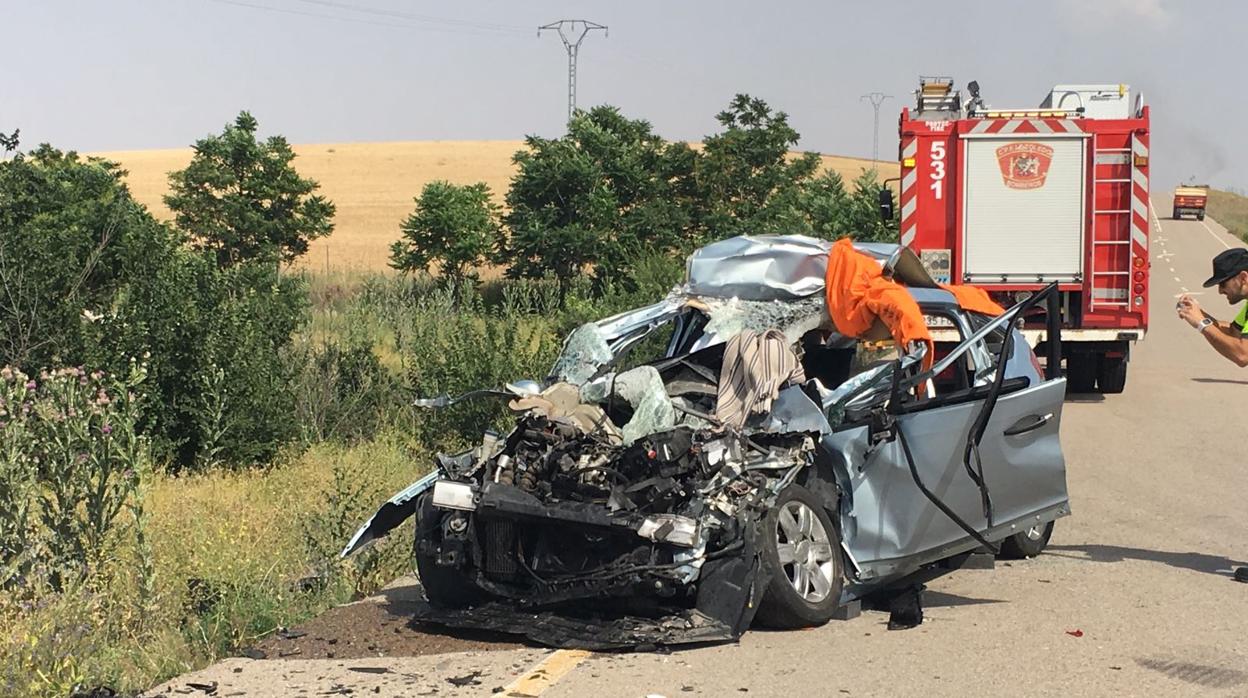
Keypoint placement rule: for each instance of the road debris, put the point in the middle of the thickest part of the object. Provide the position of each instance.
(470, 679)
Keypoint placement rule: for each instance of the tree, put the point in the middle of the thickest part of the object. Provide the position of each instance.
(596, 199)
(455, 226)
(242, 200)
(747, 181)
(862, 212)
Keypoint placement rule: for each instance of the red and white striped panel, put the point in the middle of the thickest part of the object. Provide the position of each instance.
(909, 193)
(1007, 126)
(1139, 197)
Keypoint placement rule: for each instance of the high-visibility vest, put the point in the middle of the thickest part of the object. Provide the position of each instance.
(1242, 320)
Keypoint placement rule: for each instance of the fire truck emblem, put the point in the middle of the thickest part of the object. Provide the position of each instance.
(1024, 165)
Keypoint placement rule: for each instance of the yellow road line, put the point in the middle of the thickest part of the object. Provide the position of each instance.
(546, 674)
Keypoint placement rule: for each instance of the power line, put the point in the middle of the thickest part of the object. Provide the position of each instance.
(364, 9)
(577, 29)
(876, 99)
(356, 20)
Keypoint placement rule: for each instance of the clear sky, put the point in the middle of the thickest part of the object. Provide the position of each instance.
(95, 75)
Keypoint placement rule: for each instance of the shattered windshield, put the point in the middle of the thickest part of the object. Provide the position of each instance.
(593, 345)
(729, 317)
(584, 352)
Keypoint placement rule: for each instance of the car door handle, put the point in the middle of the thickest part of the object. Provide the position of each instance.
(1028, 423)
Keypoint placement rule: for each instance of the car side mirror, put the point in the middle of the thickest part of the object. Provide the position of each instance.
(886, 205)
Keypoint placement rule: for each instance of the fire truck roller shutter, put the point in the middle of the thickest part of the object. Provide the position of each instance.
(1024, 208)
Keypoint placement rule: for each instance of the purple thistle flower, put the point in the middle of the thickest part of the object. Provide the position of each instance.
(106, 429)
(30, 385)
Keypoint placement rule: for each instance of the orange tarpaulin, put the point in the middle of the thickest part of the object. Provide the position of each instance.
(858, 295)
(974, 299)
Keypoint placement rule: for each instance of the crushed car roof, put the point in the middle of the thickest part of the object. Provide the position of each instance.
(784, 267)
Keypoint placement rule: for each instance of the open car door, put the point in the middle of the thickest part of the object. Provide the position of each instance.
(944, 474)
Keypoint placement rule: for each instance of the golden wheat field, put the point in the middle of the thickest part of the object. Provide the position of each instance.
(374, 186)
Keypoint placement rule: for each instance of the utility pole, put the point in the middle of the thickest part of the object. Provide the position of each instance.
(572, 38)
(876, 99)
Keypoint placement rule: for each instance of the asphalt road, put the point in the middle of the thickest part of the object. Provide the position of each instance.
(1133, 597)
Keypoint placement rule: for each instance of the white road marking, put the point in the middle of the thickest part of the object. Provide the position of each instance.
(1177, 279)
(1171, 270)
(1215, 235)
(1156, 220)
(1165, 255)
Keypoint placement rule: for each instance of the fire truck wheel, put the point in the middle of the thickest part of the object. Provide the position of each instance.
(1113, 375)
(1080, 373)
(1200, 216)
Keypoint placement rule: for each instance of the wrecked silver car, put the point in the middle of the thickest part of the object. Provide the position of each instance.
(766, 467)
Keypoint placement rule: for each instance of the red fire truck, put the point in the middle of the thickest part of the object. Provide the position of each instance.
(1012, 200)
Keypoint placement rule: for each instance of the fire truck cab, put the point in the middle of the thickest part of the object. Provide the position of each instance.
(1012, 200)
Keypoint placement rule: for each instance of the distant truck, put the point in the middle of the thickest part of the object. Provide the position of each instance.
(1190, 200)
(1012, 200)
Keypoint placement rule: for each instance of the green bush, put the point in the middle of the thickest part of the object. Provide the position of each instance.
(456, 337)
(219, 391)
(92, 279)
(71, 242)
(341, 390)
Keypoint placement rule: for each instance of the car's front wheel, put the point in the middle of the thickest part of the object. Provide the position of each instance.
(1029, 543)
(803, 551)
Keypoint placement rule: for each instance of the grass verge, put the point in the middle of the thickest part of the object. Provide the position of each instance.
(236, 556)
(1231, 210)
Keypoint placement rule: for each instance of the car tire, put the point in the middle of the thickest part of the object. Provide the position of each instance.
(1112, 377)
(1080, 373)
(445, 586)
(802, 550)
(1029, 543)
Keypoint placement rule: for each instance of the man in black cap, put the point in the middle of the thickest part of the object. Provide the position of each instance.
(1230, 275)
(1230, 339)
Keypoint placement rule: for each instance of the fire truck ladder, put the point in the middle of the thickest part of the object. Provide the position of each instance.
(1106, 283)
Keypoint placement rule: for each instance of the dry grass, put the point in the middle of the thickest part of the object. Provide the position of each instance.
(374, 185)
(228, 550)
(1231, 210)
